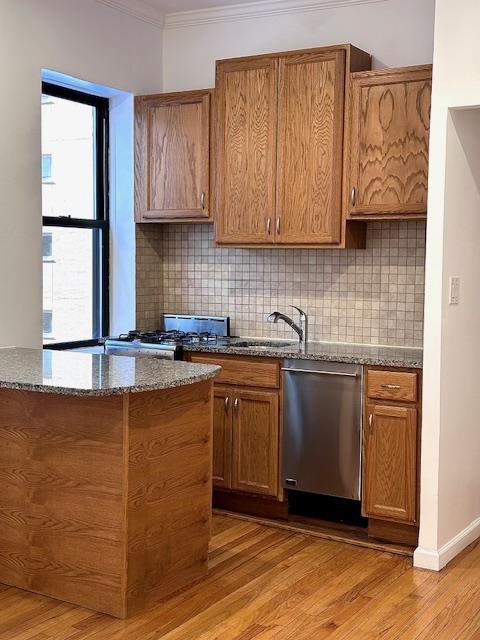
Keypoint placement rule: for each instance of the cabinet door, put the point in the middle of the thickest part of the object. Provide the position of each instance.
(390, 127)
(310, 147)
(255, 442)
(246, 94)
(390, 463)
(222, 437)
(172, 150)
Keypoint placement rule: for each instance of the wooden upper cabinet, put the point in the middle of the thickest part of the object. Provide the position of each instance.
(310, 135)
(279, 148)
(246, 93)
(172, 157)
(390, 465)
(389, 136)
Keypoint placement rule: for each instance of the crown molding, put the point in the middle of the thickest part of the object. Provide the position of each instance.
(252, 10)
(138, 9)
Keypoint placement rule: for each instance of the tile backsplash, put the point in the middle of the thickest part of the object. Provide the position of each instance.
(370, 296)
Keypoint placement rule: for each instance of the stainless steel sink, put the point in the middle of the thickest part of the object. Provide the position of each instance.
(261, 344)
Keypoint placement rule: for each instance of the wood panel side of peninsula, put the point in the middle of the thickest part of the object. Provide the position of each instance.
(105, 500)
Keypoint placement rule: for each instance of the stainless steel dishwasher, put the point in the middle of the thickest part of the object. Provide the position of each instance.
(322, 427)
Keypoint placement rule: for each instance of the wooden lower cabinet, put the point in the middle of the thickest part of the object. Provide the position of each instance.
(390, 462)
(255, 442)
(222, 437)
(246, 440)
(246, 429)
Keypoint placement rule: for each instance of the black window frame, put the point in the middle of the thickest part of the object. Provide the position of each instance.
(101, 240)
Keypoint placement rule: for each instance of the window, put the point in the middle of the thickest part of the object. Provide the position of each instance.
(46, 167)
(47, 245)
(75, 216)
(47, 322)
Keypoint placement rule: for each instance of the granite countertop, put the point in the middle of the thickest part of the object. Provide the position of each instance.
(73, 373)
(403, 357)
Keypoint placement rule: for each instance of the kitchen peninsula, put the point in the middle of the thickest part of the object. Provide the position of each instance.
(105, 469)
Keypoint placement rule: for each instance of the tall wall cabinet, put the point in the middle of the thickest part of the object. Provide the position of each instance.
(279, 147)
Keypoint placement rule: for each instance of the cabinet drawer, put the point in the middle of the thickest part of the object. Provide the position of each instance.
(247, 372)
(392, 385)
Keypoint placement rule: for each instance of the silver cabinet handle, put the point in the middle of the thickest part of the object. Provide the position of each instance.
(390, 386)
(370, 421)
(202, 199)
(269, 225)
(321, 373)
(235, 404)
(226, 404)
(277, 228)
(353, 196)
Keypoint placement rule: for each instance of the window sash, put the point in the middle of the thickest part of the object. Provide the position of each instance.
(100, 222)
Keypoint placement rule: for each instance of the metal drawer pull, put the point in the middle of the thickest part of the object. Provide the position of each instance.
(390, 386)
(278, 226)
(370, 421)
(226, 404)
(269, 225)
(353, 195)
(235, 404)
(322, 373)
(202, 199)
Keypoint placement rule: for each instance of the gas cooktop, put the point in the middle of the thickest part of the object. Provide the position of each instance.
(179, 330)
(174, 336)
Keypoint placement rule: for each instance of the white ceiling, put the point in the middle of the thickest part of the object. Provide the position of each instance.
(171, 6)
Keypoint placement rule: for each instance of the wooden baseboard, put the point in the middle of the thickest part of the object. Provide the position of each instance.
(337, 535)
(259, 506)
(393, 532)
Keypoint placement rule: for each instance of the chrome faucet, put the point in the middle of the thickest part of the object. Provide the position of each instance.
(301, 328)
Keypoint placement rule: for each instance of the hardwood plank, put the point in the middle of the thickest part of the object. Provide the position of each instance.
(266, 584)
(349, 536)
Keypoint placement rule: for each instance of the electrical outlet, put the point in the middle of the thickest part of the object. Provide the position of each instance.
(454, 295)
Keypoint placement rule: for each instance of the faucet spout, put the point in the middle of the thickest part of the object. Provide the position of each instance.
(300, 328)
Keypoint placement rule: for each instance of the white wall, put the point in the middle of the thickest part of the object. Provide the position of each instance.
(83, 39)
(450, 500)
(395, 32)
(122, 225)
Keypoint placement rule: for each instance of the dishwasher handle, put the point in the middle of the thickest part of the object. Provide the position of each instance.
(320, 372)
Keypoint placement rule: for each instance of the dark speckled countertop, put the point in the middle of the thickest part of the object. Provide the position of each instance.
(74, 373)
(403, 357)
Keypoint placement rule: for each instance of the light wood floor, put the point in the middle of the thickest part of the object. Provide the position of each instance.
(267, 583)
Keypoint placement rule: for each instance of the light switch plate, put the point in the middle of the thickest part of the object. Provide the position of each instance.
(454, 290)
